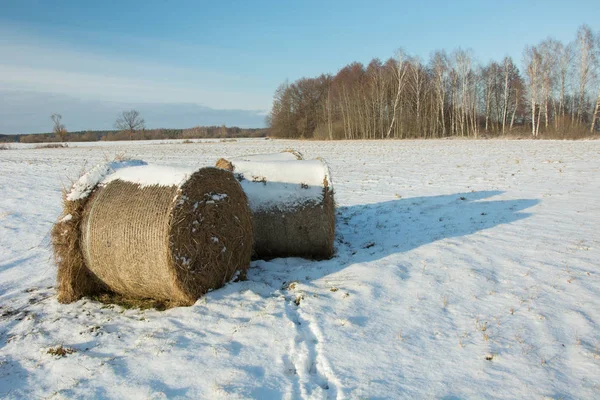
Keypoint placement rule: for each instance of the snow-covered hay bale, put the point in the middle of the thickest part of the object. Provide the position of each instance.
(292, 205)
(155, 232)
(73, 278)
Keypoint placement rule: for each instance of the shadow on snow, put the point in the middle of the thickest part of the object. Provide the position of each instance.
(370, 232)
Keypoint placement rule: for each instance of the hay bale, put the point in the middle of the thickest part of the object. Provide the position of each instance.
(73, 278)
(161, 233)
(292, 206)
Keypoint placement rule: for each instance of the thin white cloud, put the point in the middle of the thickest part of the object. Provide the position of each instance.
(29, 111)
(48, 67)
(111, 88)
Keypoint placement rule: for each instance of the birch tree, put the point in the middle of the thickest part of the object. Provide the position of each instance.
(585, 43)
(595, 115)
(439, 66)
(532, 61)
(400, 74)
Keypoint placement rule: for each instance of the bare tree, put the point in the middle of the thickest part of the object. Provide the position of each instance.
(59, 129)
(416, 81)
(533, 62)
(511, 81)
(399, 73)
(549, 51)
(440, 67)
(130, 121)
(565, 58)
(596, 110)
(467, 96)
(489, 76)
(585, 40)
(597, 68)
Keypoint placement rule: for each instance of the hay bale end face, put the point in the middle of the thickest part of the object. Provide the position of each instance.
(292, 205)
(73, 278)
(163, 234)
(224, 164)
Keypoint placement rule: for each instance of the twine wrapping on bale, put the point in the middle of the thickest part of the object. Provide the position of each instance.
(292, 205)
(164, 234)
(73, 278)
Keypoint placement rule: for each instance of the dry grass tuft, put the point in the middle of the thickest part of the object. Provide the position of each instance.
(224, 164)
(132, 303)
(296, 153)
(52, 146)
(60, 351)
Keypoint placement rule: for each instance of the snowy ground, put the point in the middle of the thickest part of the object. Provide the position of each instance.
(464, 269)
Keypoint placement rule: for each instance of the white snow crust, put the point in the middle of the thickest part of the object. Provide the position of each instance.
(88, 181)
(282, 184)
(464, 270)
(149, 175)
(281, 156)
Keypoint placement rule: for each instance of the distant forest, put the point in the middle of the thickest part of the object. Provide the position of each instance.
(556, 94)
(200, 132)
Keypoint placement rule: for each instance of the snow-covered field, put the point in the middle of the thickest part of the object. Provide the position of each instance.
(464, 269)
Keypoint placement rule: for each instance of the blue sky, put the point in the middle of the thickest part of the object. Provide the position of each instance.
(233, 54)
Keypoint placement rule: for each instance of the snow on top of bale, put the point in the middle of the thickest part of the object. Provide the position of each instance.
(286, 155)
(149, 175)
(88, 181)
(309, 172)
(283, 184)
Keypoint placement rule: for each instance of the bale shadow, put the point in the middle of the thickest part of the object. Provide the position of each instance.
(370, 232)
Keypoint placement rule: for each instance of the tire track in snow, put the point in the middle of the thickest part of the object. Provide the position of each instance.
(314, 374)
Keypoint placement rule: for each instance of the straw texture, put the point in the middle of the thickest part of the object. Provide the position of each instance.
(165, 243)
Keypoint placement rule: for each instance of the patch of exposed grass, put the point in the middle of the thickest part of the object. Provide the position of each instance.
(52, 146)
(129, 304)
(60, 351)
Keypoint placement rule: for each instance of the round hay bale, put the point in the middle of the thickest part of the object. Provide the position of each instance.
(293, 207)
(165, 234)
(73, 278)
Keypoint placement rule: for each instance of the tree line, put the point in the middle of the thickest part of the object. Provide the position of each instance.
(555, 94)
(131, 126)
(199, 132)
